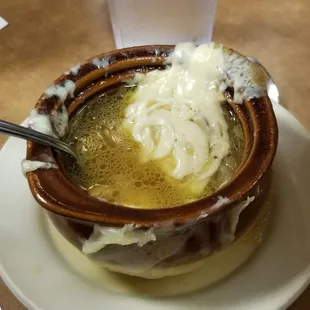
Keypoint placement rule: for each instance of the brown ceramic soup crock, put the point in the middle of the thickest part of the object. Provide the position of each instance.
(185, 234)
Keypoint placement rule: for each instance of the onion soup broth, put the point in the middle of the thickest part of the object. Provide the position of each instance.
(111, 165)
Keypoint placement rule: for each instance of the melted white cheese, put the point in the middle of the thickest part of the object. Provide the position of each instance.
(60, 121)
(129, 234)
(74, 70)
(235, 213)
(41, 123)
(248, 79)
(61, 91)
(126, 235)
(221, 201)
(100, 63)
(228, 235)
(32, 165)
(177, 112)
(44, 123)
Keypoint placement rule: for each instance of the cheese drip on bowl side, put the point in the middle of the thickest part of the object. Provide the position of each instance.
(146, 253)
(172, 280)
(177, 117)
(54, 125)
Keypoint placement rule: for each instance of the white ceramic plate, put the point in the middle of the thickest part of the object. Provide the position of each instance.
(272, 279)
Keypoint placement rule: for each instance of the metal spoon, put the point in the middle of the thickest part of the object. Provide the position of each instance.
(272, 89)
(18, 131)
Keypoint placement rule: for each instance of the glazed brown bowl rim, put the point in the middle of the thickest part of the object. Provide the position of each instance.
(87, 208)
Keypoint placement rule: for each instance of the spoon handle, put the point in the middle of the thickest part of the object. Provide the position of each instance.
(18, 131)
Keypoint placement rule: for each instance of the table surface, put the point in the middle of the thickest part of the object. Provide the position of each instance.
(45, 38)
